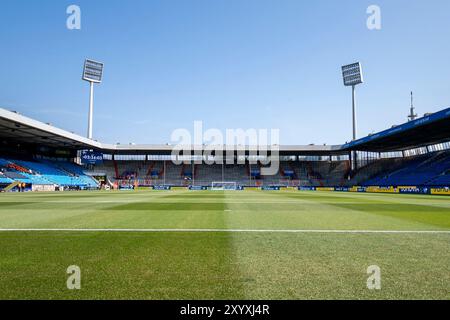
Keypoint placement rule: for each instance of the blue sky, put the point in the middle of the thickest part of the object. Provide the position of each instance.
(230, 63)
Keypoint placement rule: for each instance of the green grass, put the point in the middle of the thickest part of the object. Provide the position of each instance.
(217, 265)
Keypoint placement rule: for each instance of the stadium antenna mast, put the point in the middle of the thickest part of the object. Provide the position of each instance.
(352, 75)
(93, 73)
(412, 115)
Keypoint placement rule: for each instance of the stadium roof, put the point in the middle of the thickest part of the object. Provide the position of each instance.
(431, 129)
(167, 149)
(17, 128)
(20, 129)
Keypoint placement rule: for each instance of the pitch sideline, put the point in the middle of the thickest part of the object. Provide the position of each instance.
(235, 231)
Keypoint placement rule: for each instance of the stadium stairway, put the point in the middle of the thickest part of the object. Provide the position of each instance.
(196, 169)
(162, 171)
(116, 169)
(291, 166)
(150, 169)
(11, 186)
(183, 168)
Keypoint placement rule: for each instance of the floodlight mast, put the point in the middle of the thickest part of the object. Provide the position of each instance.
(355, 124)
(91, 109)
(352, 75)
(93, 73)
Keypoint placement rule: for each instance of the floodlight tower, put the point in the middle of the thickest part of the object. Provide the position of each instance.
(352, 75)
(93, 73)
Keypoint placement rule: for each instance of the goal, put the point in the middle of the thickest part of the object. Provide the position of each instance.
(222, 185)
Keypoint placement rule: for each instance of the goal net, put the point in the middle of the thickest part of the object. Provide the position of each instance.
(221, 185)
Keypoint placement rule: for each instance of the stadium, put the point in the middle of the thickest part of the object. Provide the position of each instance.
(225, 231)
(410, 158)
(84, 218)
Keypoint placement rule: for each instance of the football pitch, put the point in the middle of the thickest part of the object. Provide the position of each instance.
(224, 245)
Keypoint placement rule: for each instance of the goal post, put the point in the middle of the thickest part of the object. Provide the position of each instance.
(223, 185)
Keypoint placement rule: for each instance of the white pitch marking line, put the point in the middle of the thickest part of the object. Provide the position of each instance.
(235, 231)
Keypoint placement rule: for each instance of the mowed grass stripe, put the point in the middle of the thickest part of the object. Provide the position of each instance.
(377, 209)
(371, 198)
(125, 266)
(330, 266)
(171, 210)
(75, 215)
(326, 263)
(149, 267)
(222, 264)
(231, 231)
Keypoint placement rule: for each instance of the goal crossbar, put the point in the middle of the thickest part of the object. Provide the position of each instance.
(223, 185)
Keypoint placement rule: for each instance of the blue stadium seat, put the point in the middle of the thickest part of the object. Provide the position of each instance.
(48, 173)
(427, 170)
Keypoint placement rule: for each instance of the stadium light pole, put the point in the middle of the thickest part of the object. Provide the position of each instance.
(355, 123)
(352, 75)
(93, 73)
(193, 173)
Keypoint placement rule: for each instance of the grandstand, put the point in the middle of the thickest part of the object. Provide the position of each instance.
(426, 170)
(45, 175)
(46, 158)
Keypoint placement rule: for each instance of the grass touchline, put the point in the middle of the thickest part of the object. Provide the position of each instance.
(231, 231)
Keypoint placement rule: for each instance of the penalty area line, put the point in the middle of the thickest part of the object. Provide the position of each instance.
(235, 231)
